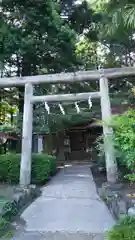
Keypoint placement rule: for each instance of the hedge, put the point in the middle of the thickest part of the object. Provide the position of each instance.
(43, 166)
(124, 230)
(53, 168)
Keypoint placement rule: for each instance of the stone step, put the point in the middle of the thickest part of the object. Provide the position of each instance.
(74, 162)
(57, 236)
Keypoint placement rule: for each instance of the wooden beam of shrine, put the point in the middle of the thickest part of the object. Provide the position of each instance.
(80, 76)
(65, 97)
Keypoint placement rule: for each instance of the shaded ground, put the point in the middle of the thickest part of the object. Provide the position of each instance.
(7, 191)
(99, 177)
(69, 208)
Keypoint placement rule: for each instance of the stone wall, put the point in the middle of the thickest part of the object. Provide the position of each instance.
(114, 198)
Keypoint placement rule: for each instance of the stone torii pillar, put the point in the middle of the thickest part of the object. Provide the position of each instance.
(111, 164)
(25, 169)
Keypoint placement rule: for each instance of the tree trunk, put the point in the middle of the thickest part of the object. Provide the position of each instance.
(12, 118)
(48, 144)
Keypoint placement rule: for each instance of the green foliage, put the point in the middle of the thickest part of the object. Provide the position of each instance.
(41, 38)
(8, 129)
(34, 39)
(58, 122)
(76, 118)
(124, 138)
(101, 150)
(116, 29)
(125, 230)
(40, 168)
(123, 141)
(122, 11)
(87, 52)
(53, 168)
(9, 210)
(43, 166)
(130, 177)
(7, 109)
(4, 224)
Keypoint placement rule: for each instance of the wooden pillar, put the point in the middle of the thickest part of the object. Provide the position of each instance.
(25, 169)
(111, 164)
(34, 144)
(60, 147)
(48, 143)
(40, 144)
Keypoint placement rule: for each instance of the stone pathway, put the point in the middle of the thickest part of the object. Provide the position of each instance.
(69, 208)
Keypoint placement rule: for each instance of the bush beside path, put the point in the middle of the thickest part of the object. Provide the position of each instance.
(12, 197)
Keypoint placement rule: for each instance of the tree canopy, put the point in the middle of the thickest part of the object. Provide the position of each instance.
(59, 36)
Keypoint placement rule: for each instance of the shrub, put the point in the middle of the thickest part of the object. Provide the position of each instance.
(125, 230)
(4, 166)
(125, 138)
(13, 167)
(7, 208)
(123, 141)
(130, 177)
(42, 167)
(4, 224)
(53, 168)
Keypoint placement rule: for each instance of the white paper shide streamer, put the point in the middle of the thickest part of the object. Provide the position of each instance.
(90, 103)
(61, 109)
(47, 107)
(77, 107)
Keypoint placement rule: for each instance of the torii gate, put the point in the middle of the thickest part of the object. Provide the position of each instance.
(29, 100)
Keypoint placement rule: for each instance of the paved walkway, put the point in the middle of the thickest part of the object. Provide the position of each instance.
(69, 208)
